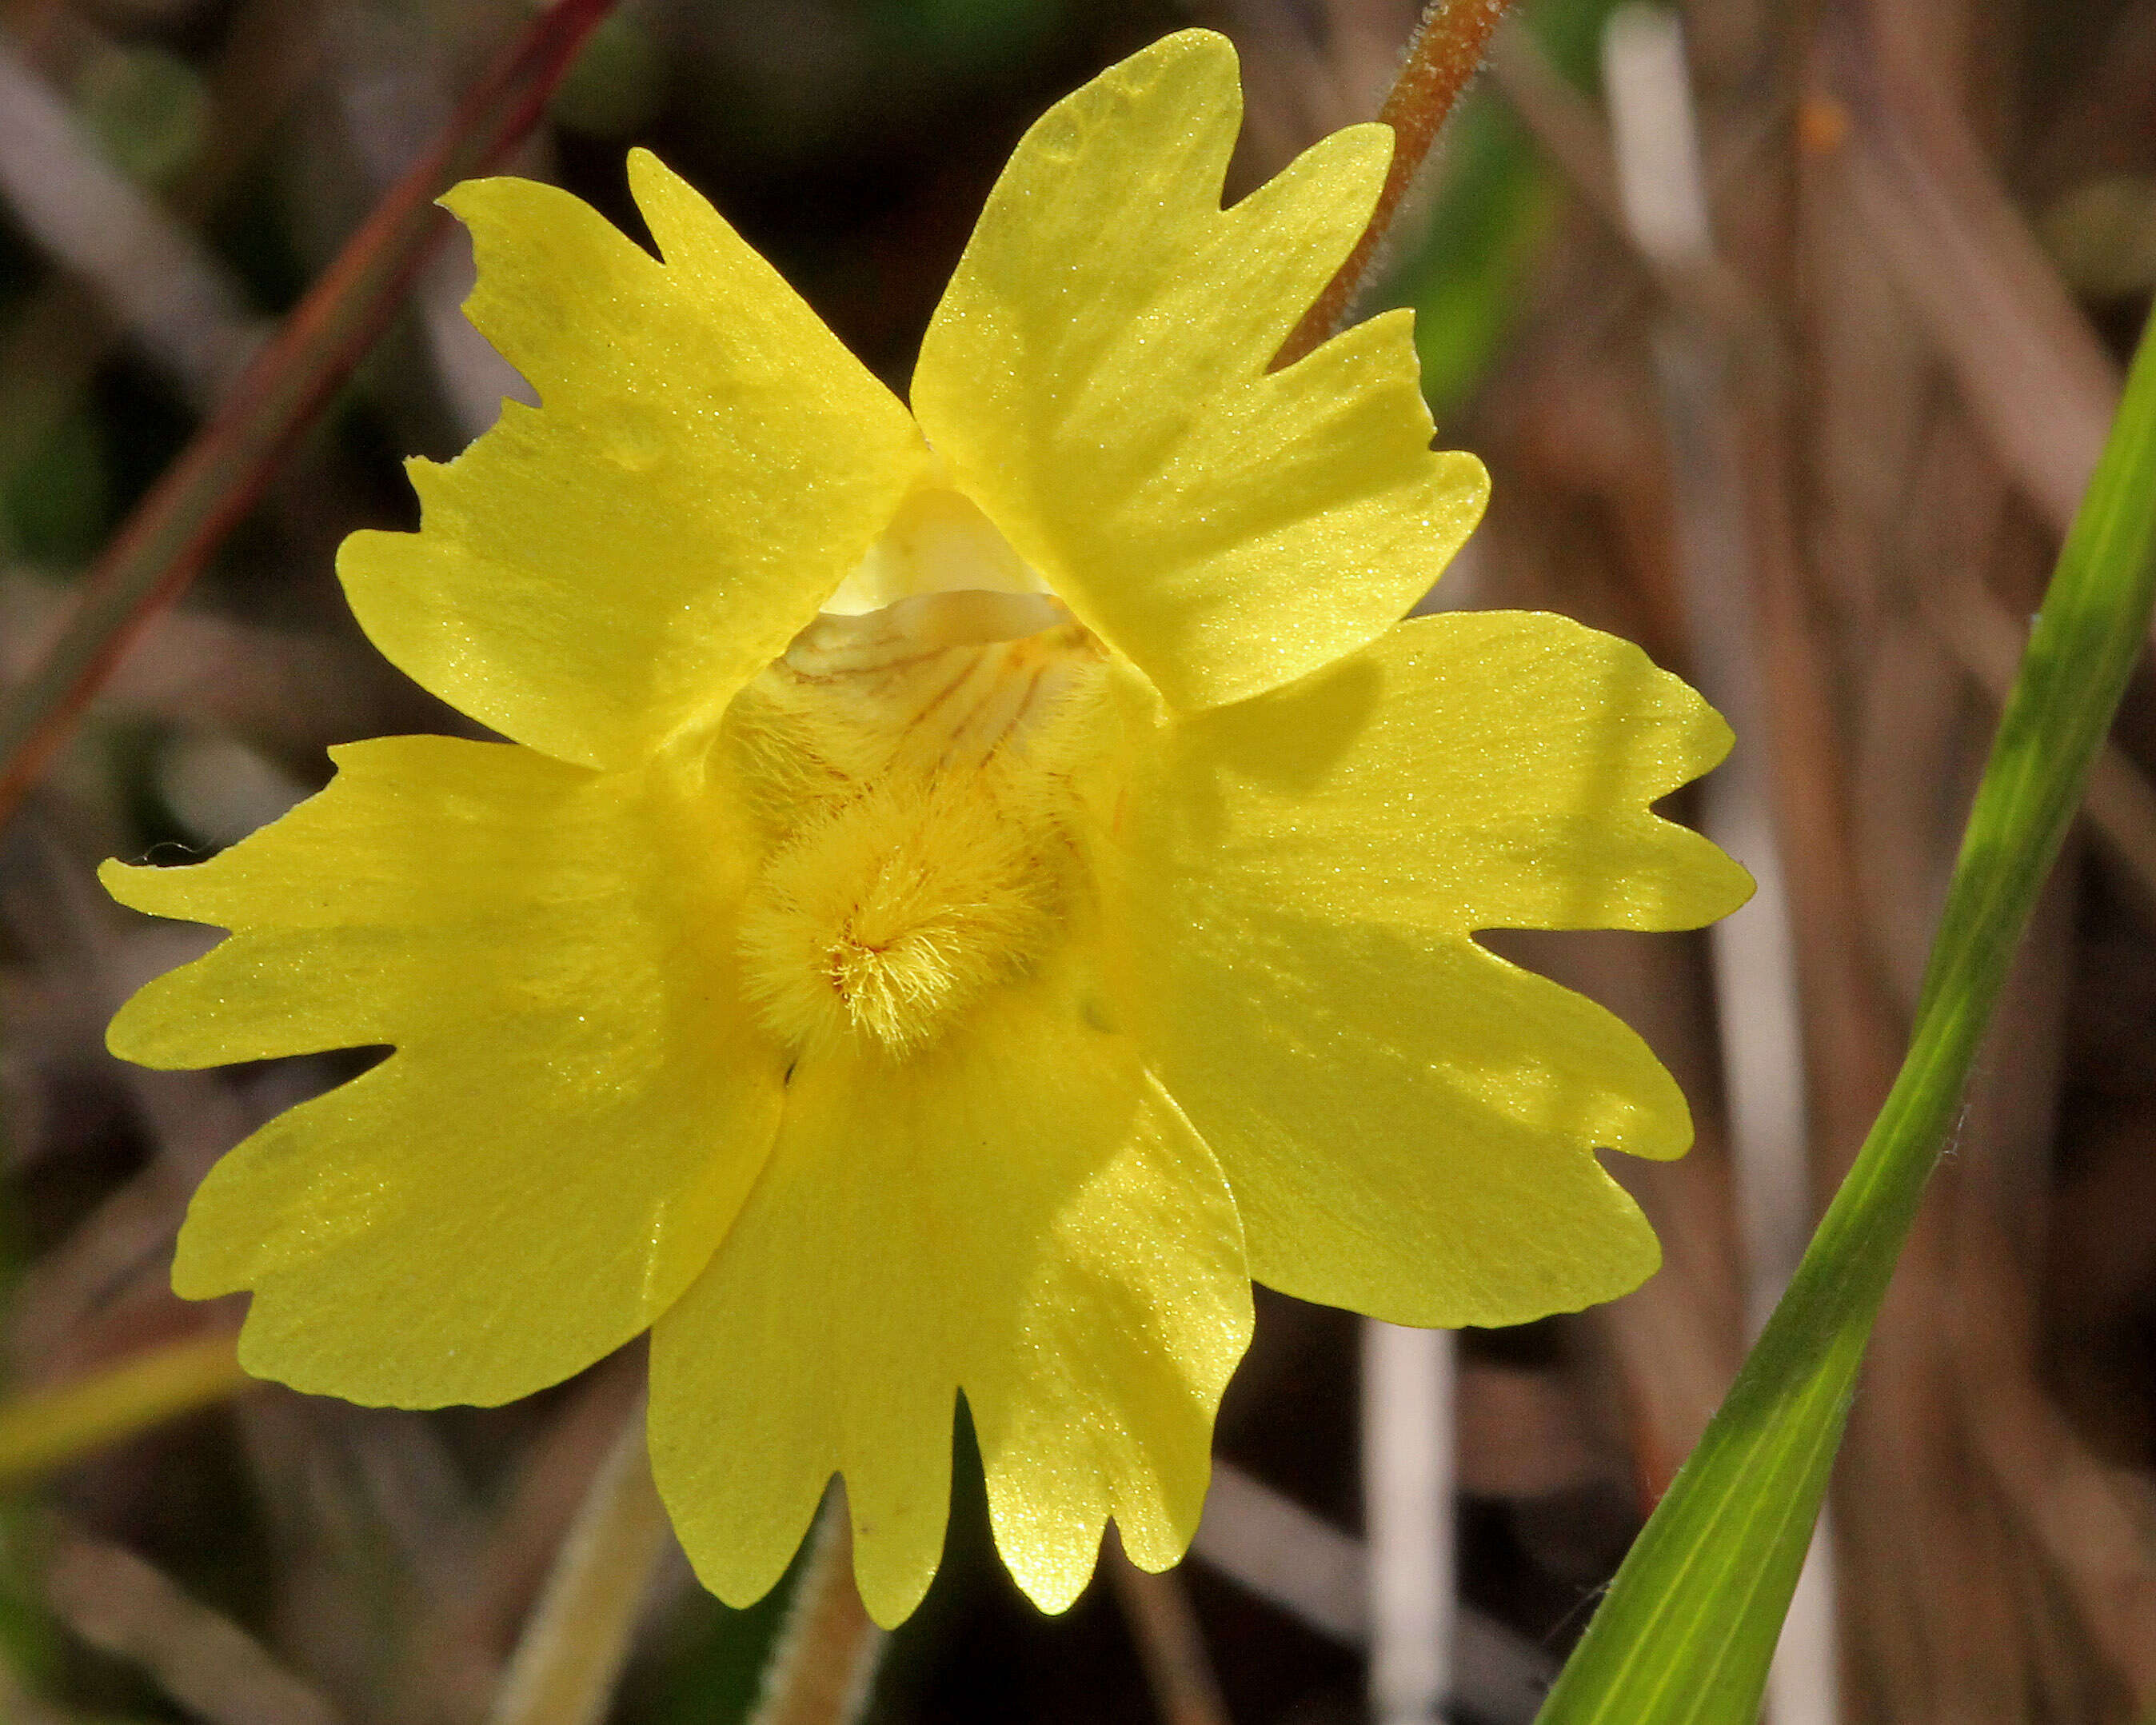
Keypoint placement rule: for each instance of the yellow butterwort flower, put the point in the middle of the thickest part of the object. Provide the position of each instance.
(968, 889)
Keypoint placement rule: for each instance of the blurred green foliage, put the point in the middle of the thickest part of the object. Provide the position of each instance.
(713, 1666)
(617, 85)
(58, 503)
(146, 107)
(966, 36)
(2102, 236)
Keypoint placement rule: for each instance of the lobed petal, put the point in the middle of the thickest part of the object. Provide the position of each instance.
(577, 1104)
(1018, 1216)
(1096, 377)
(1406, 1121)
(707, 463)
(1475, 770)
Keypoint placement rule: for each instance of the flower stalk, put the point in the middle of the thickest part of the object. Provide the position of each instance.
(824, 1663)
(1170, 1645)
(1444, 54)
(573, 1649)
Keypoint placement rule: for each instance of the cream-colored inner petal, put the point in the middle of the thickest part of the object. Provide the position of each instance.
(914, 766)
(938, 541)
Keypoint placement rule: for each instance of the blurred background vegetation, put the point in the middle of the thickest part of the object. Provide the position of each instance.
(1817, 455)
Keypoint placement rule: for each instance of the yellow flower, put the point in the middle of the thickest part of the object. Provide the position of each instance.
(968, 888)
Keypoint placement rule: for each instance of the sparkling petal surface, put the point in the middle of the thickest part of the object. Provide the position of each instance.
(1096, 377)
(1407, 1121)
(1020, 1215)
(706, 464)
(577, 1104)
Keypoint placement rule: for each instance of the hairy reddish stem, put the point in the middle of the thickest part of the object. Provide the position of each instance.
(1445, 53)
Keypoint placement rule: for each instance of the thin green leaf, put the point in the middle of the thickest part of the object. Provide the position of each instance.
(1689, 1626)
(164, 544)
(51, 1427)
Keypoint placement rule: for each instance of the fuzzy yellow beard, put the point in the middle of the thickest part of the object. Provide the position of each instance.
(915, 767)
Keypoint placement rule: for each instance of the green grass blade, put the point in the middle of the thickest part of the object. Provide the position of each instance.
(1689, 1625)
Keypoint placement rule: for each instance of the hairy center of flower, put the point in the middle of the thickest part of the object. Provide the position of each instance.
(915, 768)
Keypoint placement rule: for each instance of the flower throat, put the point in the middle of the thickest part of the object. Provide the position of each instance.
(914, 768)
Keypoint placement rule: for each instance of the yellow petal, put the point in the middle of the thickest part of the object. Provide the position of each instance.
(1096, 377)
(1407, 1122)
(1476, 770)
(1017, 1214)
(577, 1105)
(707, 463)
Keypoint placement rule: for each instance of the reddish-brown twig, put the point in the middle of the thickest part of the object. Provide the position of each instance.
(172, 532)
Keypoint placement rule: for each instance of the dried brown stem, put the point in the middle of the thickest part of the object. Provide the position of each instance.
(212, 1667)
